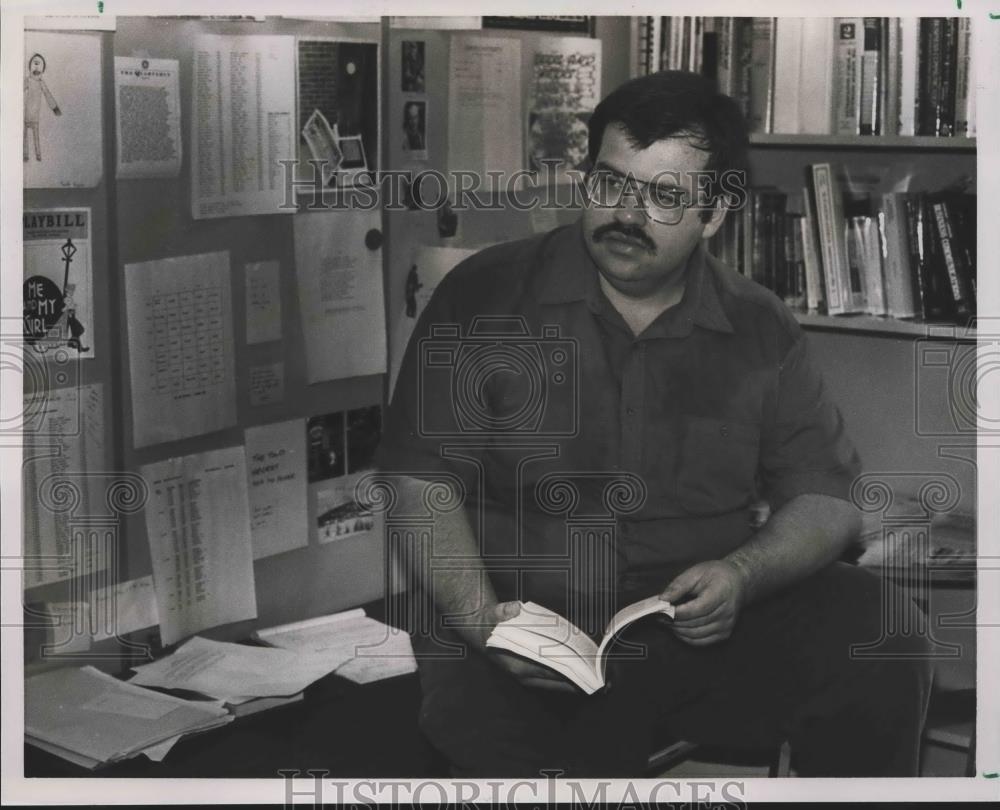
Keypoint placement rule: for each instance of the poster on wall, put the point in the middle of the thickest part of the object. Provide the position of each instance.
(58, 283)
(338, 103)
(565, 86)
(62, 110)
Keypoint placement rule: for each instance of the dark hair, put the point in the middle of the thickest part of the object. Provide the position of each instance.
(675, 103)
(40, 57)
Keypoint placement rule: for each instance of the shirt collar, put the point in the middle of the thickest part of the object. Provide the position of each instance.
(567, 274)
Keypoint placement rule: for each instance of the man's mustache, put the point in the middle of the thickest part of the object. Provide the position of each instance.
(624, 230)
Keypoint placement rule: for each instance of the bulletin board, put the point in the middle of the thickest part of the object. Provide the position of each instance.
(138, 221)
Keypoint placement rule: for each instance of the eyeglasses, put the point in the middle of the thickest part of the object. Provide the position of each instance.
(661, 203)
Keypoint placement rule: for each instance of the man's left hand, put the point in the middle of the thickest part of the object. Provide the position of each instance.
(707, 599)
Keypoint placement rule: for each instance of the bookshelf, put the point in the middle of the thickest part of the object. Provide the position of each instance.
(881, 142)
(890, 327)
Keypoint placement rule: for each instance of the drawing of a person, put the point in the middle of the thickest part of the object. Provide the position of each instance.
(412, 285)
(413, 127)
(75, 330)
(34, 89)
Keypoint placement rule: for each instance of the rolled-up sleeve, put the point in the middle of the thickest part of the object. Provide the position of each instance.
(804, 447)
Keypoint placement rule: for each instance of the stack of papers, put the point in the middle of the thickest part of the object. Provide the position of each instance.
(90, 718)
(234, 673)
(360, 649)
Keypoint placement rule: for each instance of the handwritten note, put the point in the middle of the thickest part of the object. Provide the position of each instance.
(276, 468)
(267, 384)
(263, 299)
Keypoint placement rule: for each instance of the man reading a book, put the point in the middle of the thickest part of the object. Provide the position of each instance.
(606, 402)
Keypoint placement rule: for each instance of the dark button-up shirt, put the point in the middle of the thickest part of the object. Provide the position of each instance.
(576, 438)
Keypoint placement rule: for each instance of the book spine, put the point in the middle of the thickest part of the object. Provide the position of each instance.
(710, 49)
(963, 76)
(914, 234)
(744, 54)
(950, 257)
(929, 88)
(697, 44)
(676, 43)
(663, 44)
(657, 44)
(909, 52)
(949, 54)
(815, 298)
(686, 44)
(938, 300)
(639, 37)
(870, 66)
(787, 69)
(888, 97)
(815, 91)
(727, 44)
(796, 261)
(871, 267)
(761, 74)
(831, 235)
(899, 292)
(847, 76)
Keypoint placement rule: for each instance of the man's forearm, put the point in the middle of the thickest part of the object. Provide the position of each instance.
(807, 533)
(457, 591)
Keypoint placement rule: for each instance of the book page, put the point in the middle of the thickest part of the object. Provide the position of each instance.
(637, 610)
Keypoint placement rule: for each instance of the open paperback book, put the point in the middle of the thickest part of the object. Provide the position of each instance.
(545, 637)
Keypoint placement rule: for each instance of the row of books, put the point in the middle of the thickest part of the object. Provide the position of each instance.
(896, 254)
(826, 75)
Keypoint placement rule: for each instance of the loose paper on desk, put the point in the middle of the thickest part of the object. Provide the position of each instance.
(340, 294)
(58, 285)
(180, 334)
(148, 117)
(63, 122)
(565, 87)
(88, 717)
(484, 104)
(243, 113)
(429, 266)
(223, 670)
(276, 462)
(197, 520)
(123, 608)
(263, 300)
(64, 451)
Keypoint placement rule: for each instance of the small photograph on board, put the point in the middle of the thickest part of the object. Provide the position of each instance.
(364, 429)
(413, 66)
(338, 513)
(415, 129)
(557, 135)
(325, 446)
(322, 144)
(338, 103)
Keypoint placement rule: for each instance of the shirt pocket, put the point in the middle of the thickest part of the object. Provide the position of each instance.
(716, 464)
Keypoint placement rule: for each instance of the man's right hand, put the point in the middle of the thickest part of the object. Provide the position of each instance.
(528, 673)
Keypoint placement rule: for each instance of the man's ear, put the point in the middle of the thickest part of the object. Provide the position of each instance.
(713, 218)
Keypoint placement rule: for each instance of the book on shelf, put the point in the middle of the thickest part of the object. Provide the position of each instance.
(826, 75)
(900, 286)
(545, 637)
(843, 292)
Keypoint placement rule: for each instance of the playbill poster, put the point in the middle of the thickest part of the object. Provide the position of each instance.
(62, 110)
(58, 283)
(243, 124)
